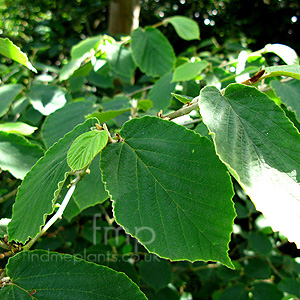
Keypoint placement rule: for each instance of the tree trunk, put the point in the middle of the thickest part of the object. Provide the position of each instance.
(123, 16)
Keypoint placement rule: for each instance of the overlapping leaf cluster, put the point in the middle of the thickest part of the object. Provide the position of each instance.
(170, 183)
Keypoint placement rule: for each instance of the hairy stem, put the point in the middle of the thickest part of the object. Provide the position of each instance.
(185, 110)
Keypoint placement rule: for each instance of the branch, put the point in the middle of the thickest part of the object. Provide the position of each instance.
(185, 110)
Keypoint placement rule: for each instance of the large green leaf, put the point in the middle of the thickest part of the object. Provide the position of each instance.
(8, 93)
(17, 154)
(47, 98)
(89, 191)
(186, 28)
(161, 93)
(261, 147)
(170, 190)
(64, 120)
(43, 275)
(189, 70)
(289, 93)
(10, 50)
(40, 187)
(85, 148)
(152, 52)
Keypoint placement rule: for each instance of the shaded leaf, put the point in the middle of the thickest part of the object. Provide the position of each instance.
(185, 27)
(261, 148)
(266, 291)
(89, 191)
(289, 93)
(63, 276)
(10, 50)
(85, 147)
(162, 182)
(64, 120)
(156, 272)
(8, 93)
(161, 93)
(50, 172)
(121, 61)
(17, 154)
(152, 52)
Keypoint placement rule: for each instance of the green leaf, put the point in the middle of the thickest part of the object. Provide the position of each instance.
(63, 276)
(88, 192)
(86, 48)
(121, 61)
(156, 272)
(68, 70)
(104, 116)
(182, 98)
(260, 243)
(46, 98)
(266, 291)
(290, 285)
(289, 93)
(261, 147)
(40, 187)
(112, 108)
(189, 70)
(289, 71)
(144, 104)
(161, 93)
(64, 120)
(17, 155)
(152, 52)
(85, 148)
(286, 53)
(8, 93)
(10, 50)
(236, 291)
(17, 127)
(175, 209)
(186, 28)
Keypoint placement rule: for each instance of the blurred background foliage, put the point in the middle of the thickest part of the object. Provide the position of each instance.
(50, 28)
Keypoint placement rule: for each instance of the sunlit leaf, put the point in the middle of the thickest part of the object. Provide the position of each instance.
(10, 50)
(261, 147)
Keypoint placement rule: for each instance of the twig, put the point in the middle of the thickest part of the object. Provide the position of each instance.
(109, 220)
(140, 90)
(8, 196)
(60, 211)
(185, 110)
